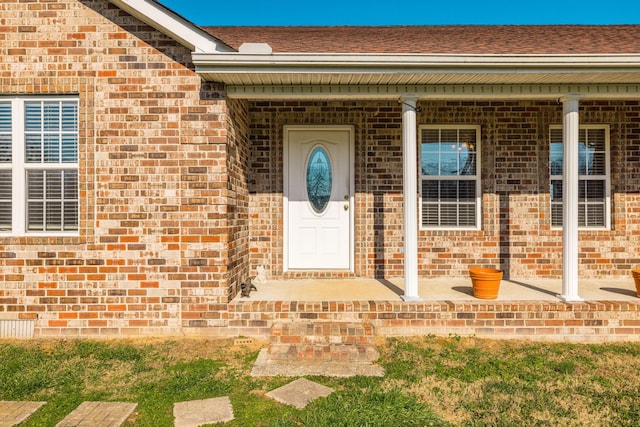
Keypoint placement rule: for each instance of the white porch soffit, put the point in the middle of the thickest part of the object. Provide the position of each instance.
(173, 25)
(387, 75)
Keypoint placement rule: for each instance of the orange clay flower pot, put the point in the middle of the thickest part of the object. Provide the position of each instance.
(636, 278)
(486, 282)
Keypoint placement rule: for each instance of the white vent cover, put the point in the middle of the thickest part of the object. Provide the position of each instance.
(262, 48)
(16, 328)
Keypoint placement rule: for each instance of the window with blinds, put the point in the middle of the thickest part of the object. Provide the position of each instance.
(39, 165)
(593, 171)
(6, 168)
(449, 177)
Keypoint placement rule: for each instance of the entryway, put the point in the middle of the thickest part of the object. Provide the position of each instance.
(318, 197)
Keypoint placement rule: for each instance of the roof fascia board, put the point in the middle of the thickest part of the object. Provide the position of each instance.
(173, 25)
(390, 92)
(238, 62)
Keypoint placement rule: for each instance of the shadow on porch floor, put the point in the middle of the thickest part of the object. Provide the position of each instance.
(446, 289)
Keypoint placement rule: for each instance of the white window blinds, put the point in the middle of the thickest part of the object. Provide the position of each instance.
(39, 165)
(51, 139)
(6, 182)
(593, 176)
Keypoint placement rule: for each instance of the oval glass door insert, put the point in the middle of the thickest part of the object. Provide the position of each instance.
(319, 179)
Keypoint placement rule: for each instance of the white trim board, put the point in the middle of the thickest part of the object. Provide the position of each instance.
(173, 25)
(365, 92)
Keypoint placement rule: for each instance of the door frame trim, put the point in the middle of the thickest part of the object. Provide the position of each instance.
(285, 190)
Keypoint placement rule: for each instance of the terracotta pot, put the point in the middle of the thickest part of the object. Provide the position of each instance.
(486, 282)
(636, 278)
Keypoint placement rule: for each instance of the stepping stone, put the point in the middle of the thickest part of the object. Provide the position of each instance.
(299, 393)
(13, 413)
(195, 413)
(98, 414)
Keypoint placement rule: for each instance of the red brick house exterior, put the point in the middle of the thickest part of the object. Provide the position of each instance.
(180, 159)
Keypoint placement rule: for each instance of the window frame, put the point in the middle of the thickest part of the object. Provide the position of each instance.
(606, 177)
(477, 177)
(20, 167)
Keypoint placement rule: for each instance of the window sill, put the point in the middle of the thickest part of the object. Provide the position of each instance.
(41, 239)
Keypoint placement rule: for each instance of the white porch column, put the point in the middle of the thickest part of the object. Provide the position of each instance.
(571, 125)
(410, 192)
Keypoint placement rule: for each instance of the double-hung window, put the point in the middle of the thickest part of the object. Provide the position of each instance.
(38, 166)
(593, 176)
(449, 176)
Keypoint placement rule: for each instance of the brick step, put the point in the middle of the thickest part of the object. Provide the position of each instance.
(324, 353)
(323, 341)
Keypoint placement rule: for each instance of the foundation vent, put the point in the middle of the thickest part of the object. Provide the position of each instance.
(13, 328)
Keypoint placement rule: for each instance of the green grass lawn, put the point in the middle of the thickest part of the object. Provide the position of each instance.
(428, 381)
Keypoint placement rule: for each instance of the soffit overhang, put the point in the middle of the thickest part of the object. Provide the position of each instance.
(367, 70)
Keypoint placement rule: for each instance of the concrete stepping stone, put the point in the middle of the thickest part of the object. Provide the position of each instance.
(98, 414)
(299, 393)
(13, 413)
(195, 413)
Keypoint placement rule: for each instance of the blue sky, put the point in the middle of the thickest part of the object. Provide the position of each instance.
(390, 12)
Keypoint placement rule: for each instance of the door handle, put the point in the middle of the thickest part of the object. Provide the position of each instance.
(346, 207)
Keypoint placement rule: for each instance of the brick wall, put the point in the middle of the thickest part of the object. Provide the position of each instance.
(531, 320)
(181, 189)
(159, 185)
(237, 157)
(516, 234)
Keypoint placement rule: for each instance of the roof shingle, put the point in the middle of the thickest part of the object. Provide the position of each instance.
(445, 39)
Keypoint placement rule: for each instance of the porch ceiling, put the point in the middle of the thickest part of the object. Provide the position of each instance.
(407, 77)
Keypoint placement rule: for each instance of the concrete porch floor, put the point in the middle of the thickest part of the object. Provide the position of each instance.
(439, 289)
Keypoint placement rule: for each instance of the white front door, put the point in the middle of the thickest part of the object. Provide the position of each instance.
(318, 197)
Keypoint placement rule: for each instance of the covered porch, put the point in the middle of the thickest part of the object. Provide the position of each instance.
(525, 309)
(513, 230)
(390, 101)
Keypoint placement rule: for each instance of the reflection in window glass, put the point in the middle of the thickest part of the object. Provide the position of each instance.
(449, 177)
(319, 179)
(592, 171)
